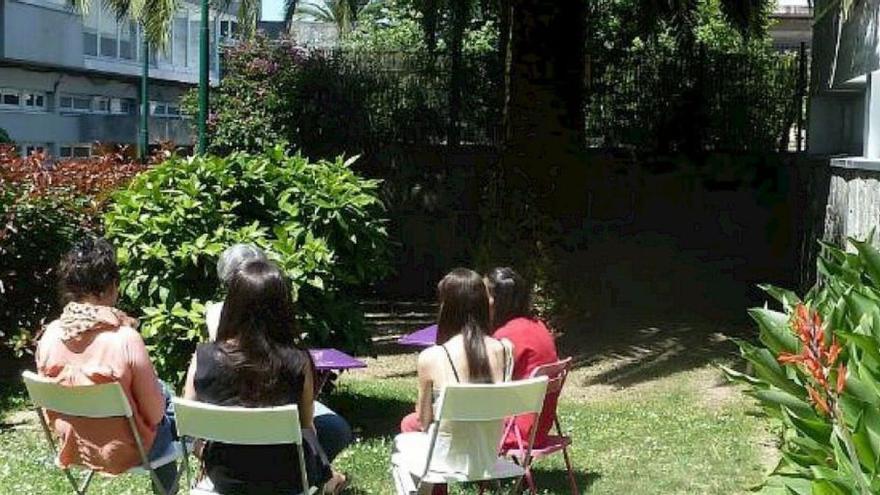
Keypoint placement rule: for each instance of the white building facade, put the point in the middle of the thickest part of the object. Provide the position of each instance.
(844, 121)
(68, 81)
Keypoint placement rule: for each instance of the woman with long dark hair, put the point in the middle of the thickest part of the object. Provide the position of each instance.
(533, 344)
(464, 353)
(255, 362)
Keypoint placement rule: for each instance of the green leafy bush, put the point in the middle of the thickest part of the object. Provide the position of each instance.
(322, 223)
(4, 137)
(817, 369)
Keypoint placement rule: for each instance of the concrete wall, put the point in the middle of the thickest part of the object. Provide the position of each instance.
(859, 48)
(853, 207)
(42, 33)
(836, 123)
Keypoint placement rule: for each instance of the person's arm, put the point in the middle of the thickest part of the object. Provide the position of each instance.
(189, 388)
(425, 402)
(306, 403)
(145, 389)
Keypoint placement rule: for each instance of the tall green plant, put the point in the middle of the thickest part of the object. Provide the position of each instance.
(322, 223)
(817, 368)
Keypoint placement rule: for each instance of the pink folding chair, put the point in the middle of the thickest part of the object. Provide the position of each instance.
(556, 374)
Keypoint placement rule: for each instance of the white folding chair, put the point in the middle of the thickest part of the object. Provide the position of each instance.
(90, 401)
(240, 426)
(463, 409)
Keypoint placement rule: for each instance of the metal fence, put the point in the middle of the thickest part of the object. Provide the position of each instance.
(699, 100)
(753, 100)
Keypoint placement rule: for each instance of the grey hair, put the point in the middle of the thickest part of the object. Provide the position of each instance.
(234, 257)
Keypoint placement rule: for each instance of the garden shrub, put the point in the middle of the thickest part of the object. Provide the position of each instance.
(817, 368)
(44, 207)
(322, 223)
(4, 137)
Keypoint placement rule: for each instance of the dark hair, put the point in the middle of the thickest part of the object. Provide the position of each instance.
(464, 309)
(89, 268)
(512, 295)
(257, 335)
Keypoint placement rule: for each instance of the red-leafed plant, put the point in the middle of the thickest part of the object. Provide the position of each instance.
(44, 205)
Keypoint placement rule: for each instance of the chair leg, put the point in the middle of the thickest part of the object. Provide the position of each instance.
(571, 479)
(73, 482)
(87, 481)
(530, 480)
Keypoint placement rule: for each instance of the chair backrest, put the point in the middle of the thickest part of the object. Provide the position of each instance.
(89, 401)
(238, 425)
(556, 374)
(486, 402)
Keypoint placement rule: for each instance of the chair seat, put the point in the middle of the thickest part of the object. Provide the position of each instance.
(416, 465)
(174, 453)
(551, 446)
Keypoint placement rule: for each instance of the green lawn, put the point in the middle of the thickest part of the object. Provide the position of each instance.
(667, 439)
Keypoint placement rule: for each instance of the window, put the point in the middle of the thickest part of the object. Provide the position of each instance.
(228, 29)
(109, 30)
(35, 101)
(75, 103)
(179, 34)
(10, 97)
(120, 106)
(30, 100)
(29, 149)
(164, 109)
(90, 32)
(75, 151)
(102, 105)
(127, 40)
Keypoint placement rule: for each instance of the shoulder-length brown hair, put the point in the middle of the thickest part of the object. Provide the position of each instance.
(464, 309)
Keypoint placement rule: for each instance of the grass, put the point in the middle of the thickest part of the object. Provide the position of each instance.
(663, 439)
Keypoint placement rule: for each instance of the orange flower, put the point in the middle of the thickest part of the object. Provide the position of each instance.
(818, 400)
(788, 358)
(841, 377)
(833, 353)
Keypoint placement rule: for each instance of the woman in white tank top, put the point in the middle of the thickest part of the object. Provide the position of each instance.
(464, 353)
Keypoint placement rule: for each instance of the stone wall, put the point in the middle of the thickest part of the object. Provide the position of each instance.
(853, 206)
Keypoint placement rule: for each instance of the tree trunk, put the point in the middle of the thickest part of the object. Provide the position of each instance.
(544, 103)
(458, 22)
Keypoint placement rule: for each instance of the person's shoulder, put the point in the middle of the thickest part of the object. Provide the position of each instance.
(430, 355)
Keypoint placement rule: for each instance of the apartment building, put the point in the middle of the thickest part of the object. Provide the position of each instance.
(69, 81)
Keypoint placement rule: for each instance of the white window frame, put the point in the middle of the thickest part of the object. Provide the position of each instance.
(72, 108)
(10, 91)
(27, 94)
(96, 104)
(72, 147)
(24, 150)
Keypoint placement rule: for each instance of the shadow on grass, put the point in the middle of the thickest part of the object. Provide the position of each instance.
(556, 480)
(370, 416)
(12, 392)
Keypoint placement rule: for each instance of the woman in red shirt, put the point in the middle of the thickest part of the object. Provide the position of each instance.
(533, 344)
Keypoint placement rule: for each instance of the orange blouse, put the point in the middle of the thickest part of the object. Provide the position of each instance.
(106, 349)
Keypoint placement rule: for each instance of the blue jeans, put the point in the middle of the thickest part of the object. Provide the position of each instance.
(166, 435)
(334, 433)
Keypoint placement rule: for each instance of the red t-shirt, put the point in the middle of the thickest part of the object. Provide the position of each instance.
(533, 346)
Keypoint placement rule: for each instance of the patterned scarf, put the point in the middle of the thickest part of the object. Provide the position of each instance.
(79, 318)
